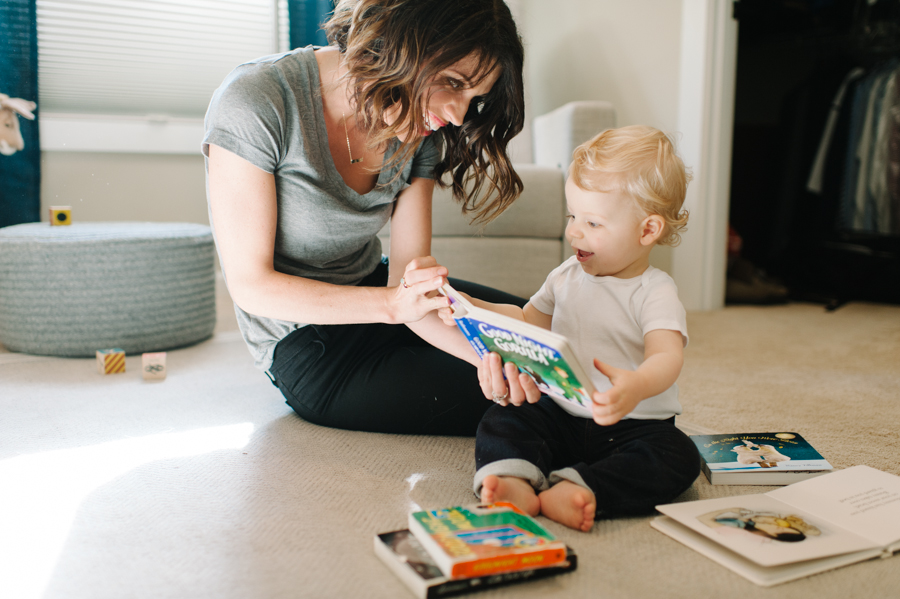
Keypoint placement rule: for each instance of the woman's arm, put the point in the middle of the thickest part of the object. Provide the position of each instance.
(245, 216)
(411, 239)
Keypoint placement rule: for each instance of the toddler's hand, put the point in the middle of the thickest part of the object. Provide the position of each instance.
(614, 404)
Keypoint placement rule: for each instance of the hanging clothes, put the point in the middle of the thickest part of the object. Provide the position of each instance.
(864, 214)
(893, 165)
(847, 208)
(814, 184)
(869, 195)
(877, 194)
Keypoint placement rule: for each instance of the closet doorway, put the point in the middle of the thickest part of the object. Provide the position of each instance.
(815, 179)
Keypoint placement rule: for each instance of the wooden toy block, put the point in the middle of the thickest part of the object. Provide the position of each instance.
(60, 215)
(110, 361)
(153, 365)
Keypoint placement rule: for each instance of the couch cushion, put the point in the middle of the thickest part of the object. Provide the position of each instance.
(513, 264)
(538, 212)
(557, 133)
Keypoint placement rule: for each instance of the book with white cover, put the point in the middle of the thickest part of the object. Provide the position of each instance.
(808, 527)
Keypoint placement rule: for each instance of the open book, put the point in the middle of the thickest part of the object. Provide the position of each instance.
(811, 526)
(546, 356)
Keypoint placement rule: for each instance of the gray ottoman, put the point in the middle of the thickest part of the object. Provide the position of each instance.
(71, 290)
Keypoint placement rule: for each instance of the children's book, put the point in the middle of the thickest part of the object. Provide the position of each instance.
(543, 354)
(406, 557)
(480, 540)
(759, 458)
(819, 524)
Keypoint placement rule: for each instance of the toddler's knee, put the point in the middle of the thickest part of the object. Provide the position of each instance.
(681, 462)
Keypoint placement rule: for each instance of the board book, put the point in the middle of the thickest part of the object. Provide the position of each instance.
(478, 540)
(544, 355)
(808, 527)
(759, 458)
(409, 561)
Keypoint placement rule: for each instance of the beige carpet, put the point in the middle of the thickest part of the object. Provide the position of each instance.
(207, 485)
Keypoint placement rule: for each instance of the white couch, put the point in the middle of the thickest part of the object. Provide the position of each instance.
(517, 251)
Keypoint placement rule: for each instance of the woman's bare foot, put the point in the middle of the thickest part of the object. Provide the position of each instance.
(517, 491)
(569, 504)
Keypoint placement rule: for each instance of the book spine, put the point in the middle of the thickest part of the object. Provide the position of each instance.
(467, 585)
(508, 563)
(471, 332)
(402, 569)
(431, 545)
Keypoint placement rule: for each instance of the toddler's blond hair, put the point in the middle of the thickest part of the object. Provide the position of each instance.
(642, 162)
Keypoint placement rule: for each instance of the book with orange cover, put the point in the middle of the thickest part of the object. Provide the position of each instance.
(408, 560)
(477, 540)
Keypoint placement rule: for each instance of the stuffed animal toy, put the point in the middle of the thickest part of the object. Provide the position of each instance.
(10, 136)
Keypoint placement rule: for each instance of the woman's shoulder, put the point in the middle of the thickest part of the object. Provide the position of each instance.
(276, 88)
(274, 72)
(276, 91)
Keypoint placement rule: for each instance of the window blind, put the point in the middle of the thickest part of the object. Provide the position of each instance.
(162, 58)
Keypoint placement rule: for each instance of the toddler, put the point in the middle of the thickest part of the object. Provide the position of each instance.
(622, 455)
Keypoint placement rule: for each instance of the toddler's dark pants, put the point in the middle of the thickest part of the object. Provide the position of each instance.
(631, 466)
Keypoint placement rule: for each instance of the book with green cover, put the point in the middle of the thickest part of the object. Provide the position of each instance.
(759, 458)
(546, 356)
(477, 540)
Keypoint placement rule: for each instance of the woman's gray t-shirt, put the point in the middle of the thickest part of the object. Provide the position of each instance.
(269, 112)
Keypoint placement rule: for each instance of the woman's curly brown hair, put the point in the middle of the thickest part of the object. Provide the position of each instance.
(394, 49)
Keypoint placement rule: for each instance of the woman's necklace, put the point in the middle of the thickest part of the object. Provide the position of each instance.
(347, 135)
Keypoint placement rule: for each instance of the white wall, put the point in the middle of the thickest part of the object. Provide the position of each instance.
(622, 51)
(125, 187)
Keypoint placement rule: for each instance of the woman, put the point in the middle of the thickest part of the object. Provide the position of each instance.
(311, 152)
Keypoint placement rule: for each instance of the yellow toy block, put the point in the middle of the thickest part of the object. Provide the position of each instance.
(60, 215)
(110, 361)
(153, 365)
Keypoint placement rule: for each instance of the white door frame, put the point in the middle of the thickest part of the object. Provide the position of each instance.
(705, 120)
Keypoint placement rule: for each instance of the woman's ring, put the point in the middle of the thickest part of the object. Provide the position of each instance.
(499, 398)
(403, 282)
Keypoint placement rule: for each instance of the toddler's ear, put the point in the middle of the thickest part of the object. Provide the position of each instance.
(651, 229)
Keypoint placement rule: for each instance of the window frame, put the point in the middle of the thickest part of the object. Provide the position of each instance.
(138, 133)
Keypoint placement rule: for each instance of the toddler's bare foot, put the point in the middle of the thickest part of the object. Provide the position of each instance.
(517, 491)
(569, 504)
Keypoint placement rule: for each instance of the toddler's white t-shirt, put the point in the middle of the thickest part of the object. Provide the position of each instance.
(606, 318)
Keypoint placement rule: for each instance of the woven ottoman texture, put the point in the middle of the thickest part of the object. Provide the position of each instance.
(69, 291)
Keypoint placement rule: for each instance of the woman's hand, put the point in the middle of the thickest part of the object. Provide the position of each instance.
(514, 388)
(417, 295)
